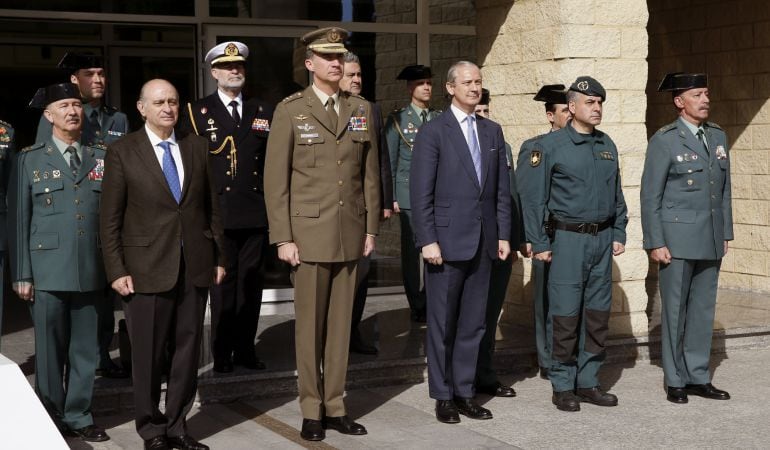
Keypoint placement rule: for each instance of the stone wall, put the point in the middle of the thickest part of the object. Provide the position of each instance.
(729, 40)
(527, 43)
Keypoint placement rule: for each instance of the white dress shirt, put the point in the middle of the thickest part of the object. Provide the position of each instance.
(462, 117)
(226, 100)
(175, 153)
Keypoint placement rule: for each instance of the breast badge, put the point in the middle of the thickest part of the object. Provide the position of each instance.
(721, 153)
(535, 158)
(260, 125)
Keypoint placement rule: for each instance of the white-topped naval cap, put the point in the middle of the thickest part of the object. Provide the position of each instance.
(230, 51)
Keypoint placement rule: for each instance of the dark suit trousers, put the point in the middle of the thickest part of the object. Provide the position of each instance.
(457, 306)
(498, 286)
(167, 322)
(236, 302)
(410, 264)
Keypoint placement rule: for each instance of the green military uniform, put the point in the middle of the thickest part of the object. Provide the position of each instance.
(686, 205)
(6, 153)
(55, 246)
(539, 279)
(101, 126)
(400, 131)
(576, 182)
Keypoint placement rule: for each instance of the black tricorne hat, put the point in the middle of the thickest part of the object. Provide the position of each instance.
(552, 93)
(72, 62)
(415, 72)
(680, 81)
(49, 94)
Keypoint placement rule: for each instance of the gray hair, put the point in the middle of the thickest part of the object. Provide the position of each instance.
(452, 72)
(350, 57)
(572, 96)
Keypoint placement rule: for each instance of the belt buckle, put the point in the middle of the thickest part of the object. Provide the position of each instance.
(593, 228)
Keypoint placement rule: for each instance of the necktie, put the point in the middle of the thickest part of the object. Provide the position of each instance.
(74, 159)
(702, 140)
(94, 121)
(170, 172)
(236, 116)
(473, 145)
(424, 116)
(332, 113)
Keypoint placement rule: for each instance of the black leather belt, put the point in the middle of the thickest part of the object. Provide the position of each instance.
(584, 228)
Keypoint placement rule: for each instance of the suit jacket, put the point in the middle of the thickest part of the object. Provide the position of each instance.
(113, 127)
(7, 152)
(400, 132)
(449, 205)
(236, 156)
(386, 176)
(55, 220)
(142, 227)
(686, 200)
(322, 185)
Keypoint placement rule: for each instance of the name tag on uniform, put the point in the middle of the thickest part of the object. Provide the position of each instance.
(260, 125)
(308, 135)
(115, 133)
(358, 124)
(97, 173)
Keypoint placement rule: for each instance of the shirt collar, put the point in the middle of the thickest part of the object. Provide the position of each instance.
(692, 127)
(324, 97)
(418, 110)
(226, 100)
(62, 146)
(155, 140)
(459, 114)
(87, 109)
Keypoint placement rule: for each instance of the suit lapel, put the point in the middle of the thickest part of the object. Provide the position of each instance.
(690, 141)
(147, 156)
(56, 160)
(460, 145)
(317, 110)
(346, 110)
(249, 113)
(485, 145)
(222, 115)
(187, 163)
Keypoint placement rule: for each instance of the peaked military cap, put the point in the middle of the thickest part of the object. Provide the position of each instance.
(552, 93)
(484, 96)
(415, 72)
(72, 62)
(326, 40)
(680, 81)
(230, 51)
(55, 92)
(588, 86)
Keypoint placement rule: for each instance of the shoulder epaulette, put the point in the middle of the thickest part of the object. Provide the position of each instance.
(292, 97)
(666, 128)
(32, 147)
(713, 125)
(5, 124)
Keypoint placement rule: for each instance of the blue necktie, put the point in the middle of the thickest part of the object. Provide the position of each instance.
(170, 172)
(473, 145)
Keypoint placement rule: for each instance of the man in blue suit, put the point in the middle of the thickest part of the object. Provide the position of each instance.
(461, 211)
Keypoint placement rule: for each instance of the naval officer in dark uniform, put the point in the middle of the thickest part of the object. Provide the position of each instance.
(400, 132)
(687, 222)
(557, 112)
(236, 129)
(56, 261)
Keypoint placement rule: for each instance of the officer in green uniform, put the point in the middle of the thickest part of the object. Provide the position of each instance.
(56, 261)
(400, 131)
(102, 125)
(687, 221)
(6, 153)
(486, 379)
(557, 112)
(577, 187)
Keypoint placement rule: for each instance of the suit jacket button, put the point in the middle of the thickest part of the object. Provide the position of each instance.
(227, 188)
(81, 232)
(339, 182)
(338, 142)
(339, 163)
(47, 190)
(39, 245)
(227, 173)
(478, 217)
(255, 173)
(341, 203)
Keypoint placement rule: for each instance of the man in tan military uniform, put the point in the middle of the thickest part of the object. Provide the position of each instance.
(323, 205)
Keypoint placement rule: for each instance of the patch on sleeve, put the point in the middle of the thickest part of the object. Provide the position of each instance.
(535, 157)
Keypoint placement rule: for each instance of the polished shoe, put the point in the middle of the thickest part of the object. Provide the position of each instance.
(544, 373)
(223, 366)
(357, 345)
(252, 363)
(112, 371)
(185, 442)
(156, 443)
(312, 430)
(469, 408)
(497, 390)
(566, 401)
(446, 411)
(707, 391)
(89, 433)
(344, 425)
(597, 396)
(676, 395)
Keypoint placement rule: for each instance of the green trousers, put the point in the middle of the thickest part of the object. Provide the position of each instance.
(540, 302)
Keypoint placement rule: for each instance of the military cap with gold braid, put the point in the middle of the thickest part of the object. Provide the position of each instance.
(230, 51)
(326, 40)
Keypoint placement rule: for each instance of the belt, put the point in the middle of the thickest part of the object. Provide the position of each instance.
(584, 228)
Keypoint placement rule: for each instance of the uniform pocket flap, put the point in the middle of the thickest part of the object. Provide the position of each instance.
(47, 186)
(679, 215)
(688, 167)
(136, 241)
(306, 210)
(44, 241)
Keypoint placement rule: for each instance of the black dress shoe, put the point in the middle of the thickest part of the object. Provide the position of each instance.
(566, 401)
(185, 442)
(156, 443)
(344, 425)
(112, 372)
(364, 348)
(676, 395)
(223, 366)
(89, 433)
(544, 373)
(707, 391)
(312, 430)
(446, 411)
(497, 390)
(597, 396)
(469, 408)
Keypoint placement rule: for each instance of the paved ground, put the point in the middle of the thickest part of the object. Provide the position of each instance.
(402, 416)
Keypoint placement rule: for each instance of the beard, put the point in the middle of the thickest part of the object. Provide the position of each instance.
(233, 83)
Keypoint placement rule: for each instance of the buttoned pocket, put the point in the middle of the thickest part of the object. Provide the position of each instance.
(688, 167)
(678, 215)
(47, 196)
(306, 210)
(44, 241)
(305, 150)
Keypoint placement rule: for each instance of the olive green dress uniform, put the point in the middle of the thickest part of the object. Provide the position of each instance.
(400, 131)
(322, 191)
(686, 205)
(539, 279)
(576, 181)
(7, 150)
(55, 245)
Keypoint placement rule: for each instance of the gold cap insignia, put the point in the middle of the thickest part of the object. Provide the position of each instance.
(231, 50)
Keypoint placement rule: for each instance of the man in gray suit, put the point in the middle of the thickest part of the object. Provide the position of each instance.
(687, 221)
